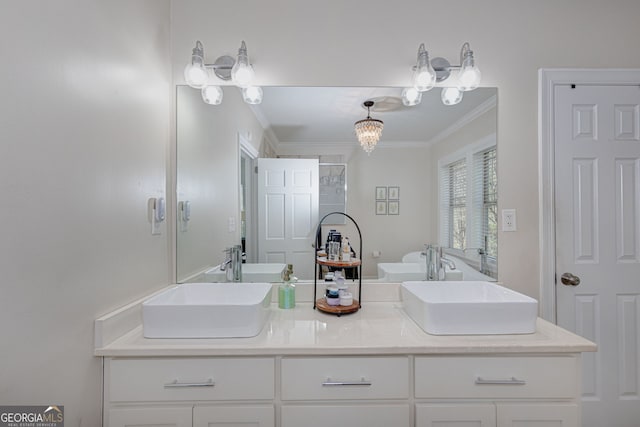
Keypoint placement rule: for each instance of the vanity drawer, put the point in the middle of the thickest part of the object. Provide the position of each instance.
(346, 415)
(496, 377)
(191, 379)
(328, 378)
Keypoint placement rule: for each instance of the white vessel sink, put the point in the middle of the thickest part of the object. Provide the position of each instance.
(469, 308)
(258, 272)
(403, 271)
(207, 310)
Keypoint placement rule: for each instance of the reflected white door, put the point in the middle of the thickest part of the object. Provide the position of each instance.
(288, 213)
(597, 199)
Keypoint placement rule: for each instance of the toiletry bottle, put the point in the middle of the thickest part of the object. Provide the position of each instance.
(287, 290)
(346, 250)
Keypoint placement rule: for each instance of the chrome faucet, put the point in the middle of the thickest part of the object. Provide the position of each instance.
(435, 261)
(233, 263)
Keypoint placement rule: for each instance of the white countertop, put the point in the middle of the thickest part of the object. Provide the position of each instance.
(378, 328)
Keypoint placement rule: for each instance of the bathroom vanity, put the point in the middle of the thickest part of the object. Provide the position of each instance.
(372, 368)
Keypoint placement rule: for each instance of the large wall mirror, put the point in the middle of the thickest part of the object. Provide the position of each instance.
(430, 179)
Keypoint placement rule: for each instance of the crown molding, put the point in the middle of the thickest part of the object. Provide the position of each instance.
(465, 120)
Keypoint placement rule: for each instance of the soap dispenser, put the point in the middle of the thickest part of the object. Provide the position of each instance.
(287, 290)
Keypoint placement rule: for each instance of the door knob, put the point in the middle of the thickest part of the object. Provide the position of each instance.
(569, 279)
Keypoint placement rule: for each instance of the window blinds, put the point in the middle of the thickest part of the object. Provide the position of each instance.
(485, 202)
(468, 203)
(453, 192)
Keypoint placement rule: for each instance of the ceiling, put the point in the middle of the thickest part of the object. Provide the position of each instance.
(327, 114)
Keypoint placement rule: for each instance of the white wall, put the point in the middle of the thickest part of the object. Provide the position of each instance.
(392, 235)
(208, 174)
(370, 43)
(84, 125)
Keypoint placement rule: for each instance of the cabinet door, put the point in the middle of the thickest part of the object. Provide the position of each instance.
(537, 415)
(455, 415)
(234, 416)
(150, 417)
(347, 415)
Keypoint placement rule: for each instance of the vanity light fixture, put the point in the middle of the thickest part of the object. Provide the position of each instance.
(424, 76)
(242, 71)
(368, 130)
(426, 73)
(195, 73)
(239, 71)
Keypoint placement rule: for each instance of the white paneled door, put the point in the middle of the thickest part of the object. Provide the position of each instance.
(288, 213)
(597, 199)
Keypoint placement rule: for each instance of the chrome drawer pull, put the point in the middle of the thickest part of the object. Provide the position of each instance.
(175, 383)
(511, 381)
(362, 382)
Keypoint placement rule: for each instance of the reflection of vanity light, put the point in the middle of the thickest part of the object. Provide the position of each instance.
(252, 94)
(451, 96)
(411, 96)
(212, 95)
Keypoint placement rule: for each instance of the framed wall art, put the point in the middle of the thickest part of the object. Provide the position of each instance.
(393, 207)
(394, 193)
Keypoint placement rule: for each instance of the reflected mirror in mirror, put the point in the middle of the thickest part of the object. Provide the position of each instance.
(430, 179)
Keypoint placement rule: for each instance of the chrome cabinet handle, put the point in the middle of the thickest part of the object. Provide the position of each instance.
(176, 384)
(510, 381)
(362, 382)
(569, 279)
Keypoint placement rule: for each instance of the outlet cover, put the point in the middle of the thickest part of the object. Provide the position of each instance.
(509, 220)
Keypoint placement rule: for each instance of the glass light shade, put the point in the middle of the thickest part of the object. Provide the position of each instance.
(411, 96)
(469, 75)
(424, 78)
(196, 75)
(212, 94)
(368, 132)
(451, 95)
(242, 74)
(252, 94)
(242, 71)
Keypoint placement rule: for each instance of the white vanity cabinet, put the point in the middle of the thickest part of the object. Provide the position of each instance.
(497, 391)
(496, 415)
(142, 416)
(345, 391)
(185, 392)
(374, 368)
